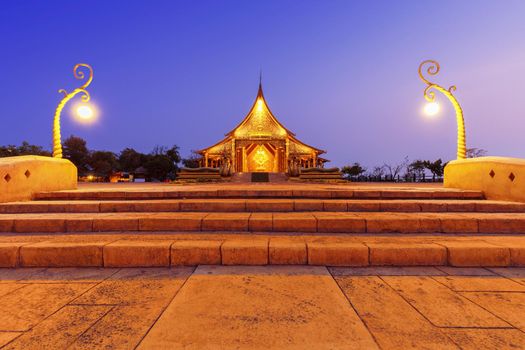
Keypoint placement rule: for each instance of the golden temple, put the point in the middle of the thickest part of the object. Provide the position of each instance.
(260, 143)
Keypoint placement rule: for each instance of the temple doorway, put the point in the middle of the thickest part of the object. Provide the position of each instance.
(261, 158)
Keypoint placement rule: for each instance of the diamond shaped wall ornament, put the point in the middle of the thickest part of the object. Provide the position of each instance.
(27, 173)
(7, 178)
(512, 176)
(492, 173)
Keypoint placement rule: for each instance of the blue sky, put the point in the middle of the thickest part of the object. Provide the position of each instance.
(341, 74)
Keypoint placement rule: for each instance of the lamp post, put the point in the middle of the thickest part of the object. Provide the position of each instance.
(84, 111)
(433, 107)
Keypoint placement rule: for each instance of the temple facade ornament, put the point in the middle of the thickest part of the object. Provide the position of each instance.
(260, 143)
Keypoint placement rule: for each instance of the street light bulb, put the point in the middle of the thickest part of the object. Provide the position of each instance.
(431, 108)
(85, 112)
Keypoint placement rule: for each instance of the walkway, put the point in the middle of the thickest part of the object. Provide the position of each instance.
(261, 307)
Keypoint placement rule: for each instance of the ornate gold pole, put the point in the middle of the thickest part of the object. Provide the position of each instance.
(433, 69)
(57, 142)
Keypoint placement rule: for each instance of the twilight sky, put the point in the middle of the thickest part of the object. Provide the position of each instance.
(341, 74)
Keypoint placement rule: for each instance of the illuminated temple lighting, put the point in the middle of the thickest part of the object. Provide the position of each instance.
(433, 69)
(260, 143)
(259, 105)
(431, 109)
(57, 138)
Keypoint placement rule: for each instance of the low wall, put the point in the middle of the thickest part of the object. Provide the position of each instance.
(21, 177)
(498, 177)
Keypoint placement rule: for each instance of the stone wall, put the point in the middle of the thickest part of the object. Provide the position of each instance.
(21, 177)
(498, 177)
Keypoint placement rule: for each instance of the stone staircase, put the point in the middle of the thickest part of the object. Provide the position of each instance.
(262, 224)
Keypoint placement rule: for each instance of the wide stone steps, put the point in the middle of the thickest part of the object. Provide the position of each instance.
(272, 192)
(165, 225)
(293, 222)
(125, 250)
(261, 205)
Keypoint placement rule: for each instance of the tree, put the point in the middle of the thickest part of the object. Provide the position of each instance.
(76, 151)
(377, 171)
(173, 154)
(159, 167)
(23, 150)
(437, 167)
(161, 163)
(417, 167)
(192, 161)
(353, 170)
(476, 152)
(8, 151)
(129, 159)
(103, 163)
(394, 170)
(27, 149)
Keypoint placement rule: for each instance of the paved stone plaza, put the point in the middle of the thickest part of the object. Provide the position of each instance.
(260, 307)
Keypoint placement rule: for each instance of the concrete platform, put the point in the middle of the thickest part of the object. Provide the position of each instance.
(271, 307)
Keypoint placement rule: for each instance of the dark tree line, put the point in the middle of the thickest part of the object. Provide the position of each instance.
(405, 171)
(159, 165)
(24, 149)
(418, 170)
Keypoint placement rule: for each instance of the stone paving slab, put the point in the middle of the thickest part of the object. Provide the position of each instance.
(476, 339)
(25, 307)
(476, 283)
(259, 308)
(281, 307)
(60, 329)
(507, 306)
(394, 323)
(424, 293)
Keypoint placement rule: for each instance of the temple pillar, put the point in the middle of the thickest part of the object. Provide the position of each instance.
(233, 157)
(206, 159)
(287, 153)
(244, 160)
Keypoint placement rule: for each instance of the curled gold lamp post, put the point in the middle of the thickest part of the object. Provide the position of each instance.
(84, 111)
(432, 107)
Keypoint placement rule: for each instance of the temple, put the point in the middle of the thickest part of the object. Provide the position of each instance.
(260, 143)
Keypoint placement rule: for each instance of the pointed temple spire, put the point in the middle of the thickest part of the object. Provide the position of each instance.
(260, 92)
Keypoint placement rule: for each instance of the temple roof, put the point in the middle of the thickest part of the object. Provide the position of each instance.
(260, 109)
(260, 123)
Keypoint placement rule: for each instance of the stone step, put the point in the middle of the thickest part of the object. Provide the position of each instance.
(258, 192)
(295, 222)
(83, 250)
(261, 205)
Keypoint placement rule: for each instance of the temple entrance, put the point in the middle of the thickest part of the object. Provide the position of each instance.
(260, 158)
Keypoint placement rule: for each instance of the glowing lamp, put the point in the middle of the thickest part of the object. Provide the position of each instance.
(431, 109)
(84, 112)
